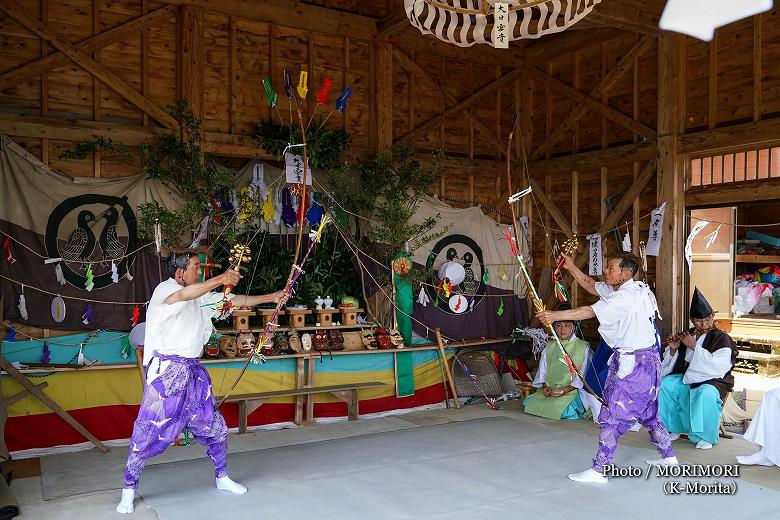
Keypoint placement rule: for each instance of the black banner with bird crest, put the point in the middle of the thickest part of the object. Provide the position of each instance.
(90, 225)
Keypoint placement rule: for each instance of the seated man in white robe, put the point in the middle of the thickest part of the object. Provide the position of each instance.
(696, 372)
(559, 397)
(764, 430)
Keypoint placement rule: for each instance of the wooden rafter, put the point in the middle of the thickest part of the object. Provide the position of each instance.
(583, 161)
(603, 85)
(58, 59)
(551, 208)
(413, 68)
(567, 43)
(760, 133)
(307, 17)
(463, 104)
(594, 104)
(13, 10)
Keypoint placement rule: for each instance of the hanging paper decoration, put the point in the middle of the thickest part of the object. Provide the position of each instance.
(288, 89)
(46, 354)
(322, 95)
(114, 272)
(316, 211)
(202, 232)
(712, 237)
(627, 241)
(90, 279)
(268, 206)
(303, 87)
(423, 298)
(471, 305)
(136, 315)
(288, 212)
(278, 207)
(22, 306)
(257, 186)
(81, 359)
(59, 274)
(595, 255)
(58, 309)
(502, 274)
(555, 248)
(486, 276)
(216, 210)
(689, 242)
(87, 316)
(656, 231)
(341, 101)
(8, 256)
(126, 347)
(11, 334)
(500, 310)
(270, 93)
(157, 236)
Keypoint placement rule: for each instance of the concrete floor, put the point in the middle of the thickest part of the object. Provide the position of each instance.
(468, 463)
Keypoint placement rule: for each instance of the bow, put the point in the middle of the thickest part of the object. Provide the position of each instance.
(538, 303)
(295, 269)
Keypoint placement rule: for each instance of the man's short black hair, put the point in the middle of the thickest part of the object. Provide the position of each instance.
(627, 261)
(177, 261)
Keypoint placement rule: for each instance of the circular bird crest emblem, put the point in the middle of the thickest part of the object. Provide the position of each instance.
(468, 265)
(92, 229)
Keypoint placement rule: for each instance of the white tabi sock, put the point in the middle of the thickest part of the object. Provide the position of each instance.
(674, 436)
(589, 475)
(758, 458)
(703, 445)
(226, 484)
(667, 461)
(126, 504)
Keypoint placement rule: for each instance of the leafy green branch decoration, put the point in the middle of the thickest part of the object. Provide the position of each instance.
(325, 145)
(175, 159)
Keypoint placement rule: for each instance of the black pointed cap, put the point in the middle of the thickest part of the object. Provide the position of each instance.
(700, 307)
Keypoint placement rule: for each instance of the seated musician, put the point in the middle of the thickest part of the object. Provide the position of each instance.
(559, 397)
(696, 372)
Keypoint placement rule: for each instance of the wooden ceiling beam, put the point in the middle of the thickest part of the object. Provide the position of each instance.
(94, 43)
(602, 86)
(632, 16)
(17, 13)
(463, 104)
(74, 130)
(568, 42)
(733, 193)
(410, 39)
(594, 104)
(764, 133)
(413, 68)
(307, 17)
(584, 161)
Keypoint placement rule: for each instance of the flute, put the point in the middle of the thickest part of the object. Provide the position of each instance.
(676, 337)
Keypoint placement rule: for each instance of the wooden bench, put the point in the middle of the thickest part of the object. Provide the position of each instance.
(248, 403)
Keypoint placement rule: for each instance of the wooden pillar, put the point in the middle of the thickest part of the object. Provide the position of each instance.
(191, 58)
(670, 264)
(384, 94)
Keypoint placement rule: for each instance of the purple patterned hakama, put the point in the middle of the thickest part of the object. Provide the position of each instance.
(630, 399)
(180, 396)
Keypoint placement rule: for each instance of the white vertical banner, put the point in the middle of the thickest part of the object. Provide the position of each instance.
(500, 34)
(527, 232)
(293, 169)
(689, 242)
(594, 255)
(656, 232)
(627, 242)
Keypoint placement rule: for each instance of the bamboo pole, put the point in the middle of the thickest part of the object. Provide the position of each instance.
(447, 370)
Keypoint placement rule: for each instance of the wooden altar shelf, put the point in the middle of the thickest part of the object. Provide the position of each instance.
(266, 315)
(325, 316)
(241, 320)
(349, 315)
(298, 317)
